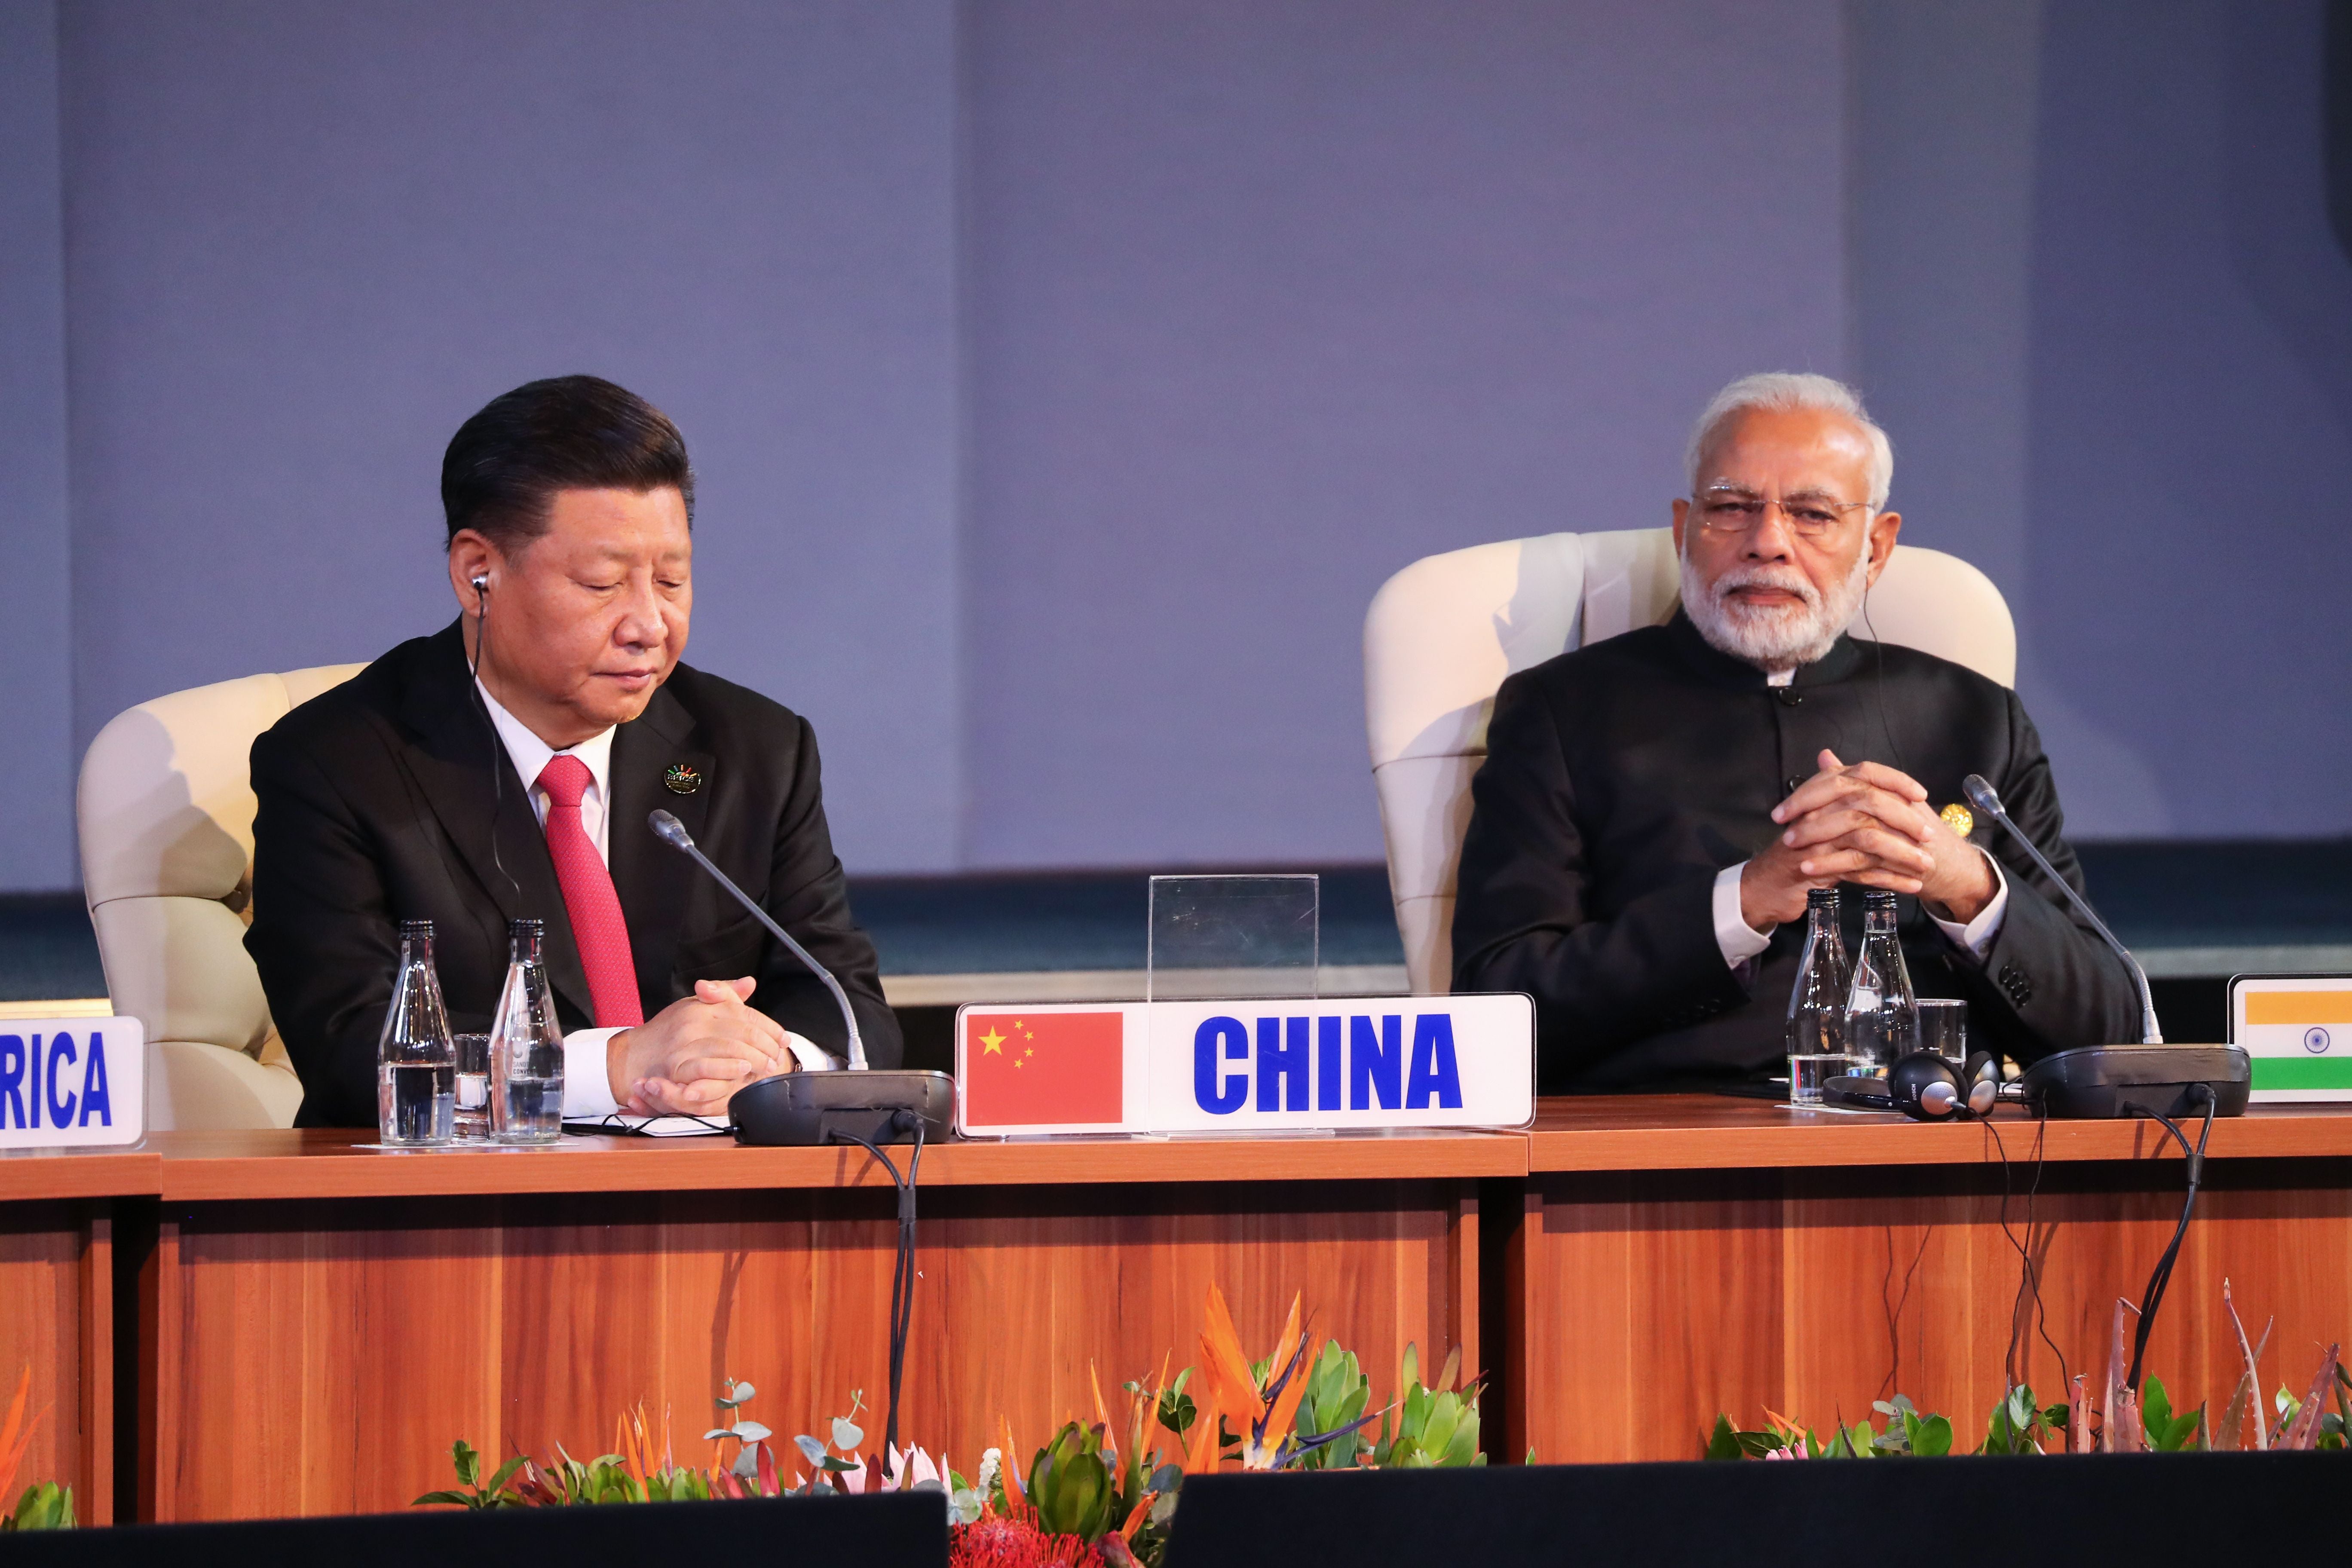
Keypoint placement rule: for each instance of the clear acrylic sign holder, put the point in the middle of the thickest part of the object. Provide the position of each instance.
(1232, 938)
(1219, 938)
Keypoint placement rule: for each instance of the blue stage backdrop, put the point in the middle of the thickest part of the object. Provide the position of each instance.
(1063, 378)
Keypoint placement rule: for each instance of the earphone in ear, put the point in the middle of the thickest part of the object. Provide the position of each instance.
(481, 592)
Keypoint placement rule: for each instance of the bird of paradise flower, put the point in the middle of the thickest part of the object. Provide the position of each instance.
(1266, 1411)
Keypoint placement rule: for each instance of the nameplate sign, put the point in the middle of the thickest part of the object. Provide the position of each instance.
(1277, 1065)
(2296, 1031)
(72, 1082)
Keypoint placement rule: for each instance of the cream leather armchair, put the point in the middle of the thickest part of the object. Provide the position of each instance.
(166, 809)
(1442, 634)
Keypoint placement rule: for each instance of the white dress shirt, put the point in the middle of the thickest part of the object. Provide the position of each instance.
(587, 1081)
(1741, 944)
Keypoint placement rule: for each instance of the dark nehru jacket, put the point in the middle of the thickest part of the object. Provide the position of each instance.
(377, 805)
(1621, 777)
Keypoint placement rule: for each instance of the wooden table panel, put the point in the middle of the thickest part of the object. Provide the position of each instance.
(327, 1350)
(57, 1318)
(1650, 1301)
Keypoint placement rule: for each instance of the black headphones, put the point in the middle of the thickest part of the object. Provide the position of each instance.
(1924, 1087)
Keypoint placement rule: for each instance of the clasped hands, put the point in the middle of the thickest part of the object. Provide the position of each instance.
(1866, 824)
(689, 1059)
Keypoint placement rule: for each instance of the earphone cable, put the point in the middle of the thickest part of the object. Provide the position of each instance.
(497, 745)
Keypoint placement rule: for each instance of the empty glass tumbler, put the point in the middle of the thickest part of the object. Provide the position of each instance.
(1943, 1028)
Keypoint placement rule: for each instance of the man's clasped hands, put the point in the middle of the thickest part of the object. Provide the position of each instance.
(1867, 824)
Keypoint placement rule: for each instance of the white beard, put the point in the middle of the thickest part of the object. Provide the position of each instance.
(1773, 637)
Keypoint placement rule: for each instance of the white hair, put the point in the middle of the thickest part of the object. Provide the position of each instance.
(1785, 392)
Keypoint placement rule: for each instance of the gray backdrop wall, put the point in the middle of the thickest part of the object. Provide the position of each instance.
(1063, 377)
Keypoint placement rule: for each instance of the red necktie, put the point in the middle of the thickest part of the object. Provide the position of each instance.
(588, 897)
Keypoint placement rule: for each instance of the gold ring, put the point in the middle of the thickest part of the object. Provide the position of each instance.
(1958, 818)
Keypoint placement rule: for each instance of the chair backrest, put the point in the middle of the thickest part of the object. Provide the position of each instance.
(1442, 634)
(166, 811)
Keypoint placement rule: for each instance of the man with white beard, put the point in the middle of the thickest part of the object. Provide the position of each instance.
(1654, 808)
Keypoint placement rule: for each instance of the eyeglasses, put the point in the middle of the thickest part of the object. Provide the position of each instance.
(1725, 511)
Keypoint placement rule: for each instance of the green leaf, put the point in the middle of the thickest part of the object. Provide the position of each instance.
(1931, 1438)
(1723, 1443)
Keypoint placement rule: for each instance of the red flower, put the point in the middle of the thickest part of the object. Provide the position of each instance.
(1014, 1543)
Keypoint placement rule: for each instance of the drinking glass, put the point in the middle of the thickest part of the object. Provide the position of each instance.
(473, 1118)
(1943, 1028)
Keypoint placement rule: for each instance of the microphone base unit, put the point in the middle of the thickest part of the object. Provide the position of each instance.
(2104, 1082)
(802, 1109)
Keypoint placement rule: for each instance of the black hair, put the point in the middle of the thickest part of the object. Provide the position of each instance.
(504, 465)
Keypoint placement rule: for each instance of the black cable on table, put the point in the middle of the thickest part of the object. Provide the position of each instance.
(2162, 1276)
(902, 1269)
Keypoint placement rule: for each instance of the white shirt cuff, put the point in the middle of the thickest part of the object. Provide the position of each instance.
(811, 1056)
(1977, 934)
(1732, 933)
(587, 1077)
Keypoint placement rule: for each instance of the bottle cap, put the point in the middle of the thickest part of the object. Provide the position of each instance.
(1821, 899)
(1878, 898)
(411, 931)
(526, 927)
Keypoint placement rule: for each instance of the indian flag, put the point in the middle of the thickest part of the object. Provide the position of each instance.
(2298, 1036)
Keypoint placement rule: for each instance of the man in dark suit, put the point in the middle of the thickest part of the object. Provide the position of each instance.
(1654, 808)
(504, 767)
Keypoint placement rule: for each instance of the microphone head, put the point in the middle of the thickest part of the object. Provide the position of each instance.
(1981, 795)
(670, 830)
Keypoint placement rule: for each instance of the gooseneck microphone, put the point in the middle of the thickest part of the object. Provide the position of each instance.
(861, 1107)
(672, 832)
(1981, 796)
(864, 1105)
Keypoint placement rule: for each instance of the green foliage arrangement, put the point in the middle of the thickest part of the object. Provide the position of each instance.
(2119, 1421)
(45, 1506)
(1094, 1495)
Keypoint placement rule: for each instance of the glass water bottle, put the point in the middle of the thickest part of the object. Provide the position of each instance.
(417, 1061)
(1882, 1014)
(526, 1046)
(1816, 1028)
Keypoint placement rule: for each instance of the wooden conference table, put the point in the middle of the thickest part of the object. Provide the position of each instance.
(297, 1326)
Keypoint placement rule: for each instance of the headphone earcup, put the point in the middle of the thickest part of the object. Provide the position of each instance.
(1925, 1088)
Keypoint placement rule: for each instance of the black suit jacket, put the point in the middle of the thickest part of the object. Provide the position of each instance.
(377, 805)
(1621, 777)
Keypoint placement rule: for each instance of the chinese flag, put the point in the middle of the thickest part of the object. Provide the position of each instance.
(1024, 1067)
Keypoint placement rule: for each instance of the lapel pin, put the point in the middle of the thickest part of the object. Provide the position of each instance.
(682, 778)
